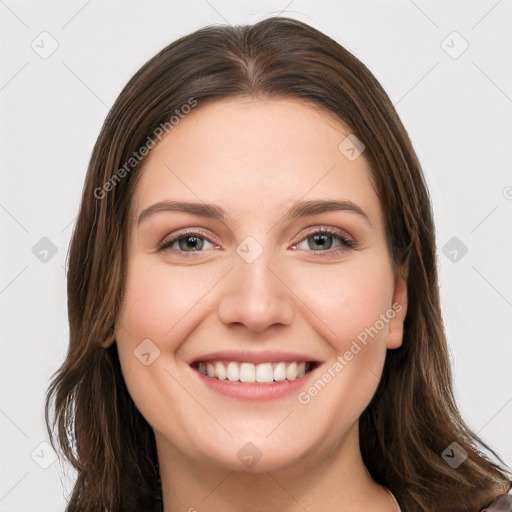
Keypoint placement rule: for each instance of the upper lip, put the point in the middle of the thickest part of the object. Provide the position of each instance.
(254, 357)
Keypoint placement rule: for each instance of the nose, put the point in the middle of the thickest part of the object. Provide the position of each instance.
(256, 296)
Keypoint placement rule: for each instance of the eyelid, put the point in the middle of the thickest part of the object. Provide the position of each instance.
(347, 242)
(331, 230)
(182, 233)
(345, 238)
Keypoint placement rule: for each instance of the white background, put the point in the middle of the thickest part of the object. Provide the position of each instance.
(458, 112)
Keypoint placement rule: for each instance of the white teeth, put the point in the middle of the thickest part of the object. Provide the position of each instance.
(233, 372)
(210, 370)
(291, 371)
(280, 372)
(301, 370)
(264, 373)
(248, 372)
(220, 370)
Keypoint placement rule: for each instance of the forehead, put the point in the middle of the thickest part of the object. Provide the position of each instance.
(255, 155)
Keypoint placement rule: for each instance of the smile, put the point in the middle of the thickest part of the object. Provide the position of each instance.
(235, 371)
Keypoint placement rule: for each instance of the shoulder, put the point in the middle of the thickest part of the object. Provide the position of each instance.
(502, 503)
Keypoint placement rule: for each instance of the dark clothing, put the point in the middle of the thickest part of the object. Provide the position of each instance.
(502, 503)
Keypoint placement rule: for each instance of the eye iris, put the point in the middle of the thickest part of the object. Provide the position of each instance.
(190, 242)
(319, 239)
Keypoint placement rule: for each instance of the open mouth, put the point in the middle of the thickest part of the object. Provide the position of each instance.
(239, 371)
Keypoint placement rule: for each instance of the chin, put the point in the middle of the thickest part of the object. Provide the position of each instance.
(258, 455)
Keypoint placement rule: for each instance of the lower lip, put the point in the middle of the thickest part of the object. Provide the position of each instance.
(254, 391)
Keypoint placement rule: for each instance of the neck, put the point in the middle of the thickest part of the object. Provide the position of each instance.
(332, 478)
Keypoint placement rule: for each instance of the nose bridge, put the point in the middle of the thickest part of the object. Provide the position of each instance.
(255, 296)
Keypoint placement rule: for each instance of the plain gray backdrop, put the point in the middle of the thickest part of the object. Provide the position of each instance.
(446, 67)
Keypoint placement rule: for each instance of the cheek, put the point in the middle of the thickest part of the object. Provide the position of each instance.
(160, 304)
(158, 300)
(348, 299)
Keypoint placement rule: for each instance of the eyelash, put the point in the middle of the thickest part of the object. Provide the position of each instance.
(166, 244)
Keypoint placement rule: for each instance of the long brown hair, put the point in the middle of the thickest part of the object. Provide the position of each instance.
(411, 419)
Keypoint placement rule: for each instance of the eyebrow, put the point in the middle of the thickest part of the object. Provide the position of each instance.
(299, 209)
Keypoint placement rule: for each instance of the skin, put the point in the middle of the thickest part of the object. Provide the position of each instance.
(254, 158)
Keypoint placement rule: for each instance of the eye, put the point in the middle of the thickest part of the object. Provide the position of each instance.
(322, 240)
(325, 241)
(186, 243)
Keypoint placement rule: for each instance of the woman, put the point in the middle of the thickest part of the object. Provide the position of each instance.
(253, 298)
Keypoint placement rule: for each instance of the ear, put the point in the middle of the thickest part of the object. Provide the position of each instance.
(109, 340)
(399, 306)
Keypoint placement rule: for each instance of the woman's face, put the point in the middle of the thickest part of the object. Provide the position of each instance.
(242, 284)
